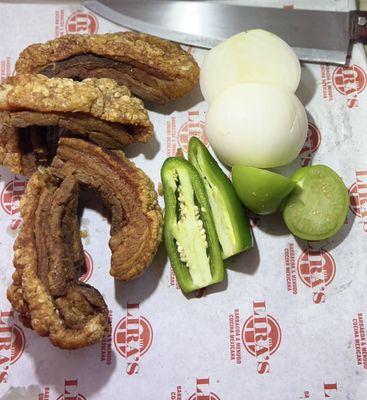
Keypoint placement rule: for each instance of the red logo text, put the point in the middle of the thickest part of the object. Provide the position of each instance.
(235, 337)
(133, 337)
(88, 267)
(5, 69)
(71, 391)
(261, 336)
(10, 200)
(193, 127)
(106, 344)
(203, 391)
(316, 268)
(12, 342)
(82, 22)
(360, 342)
(312, 143)
(350, 81)
(328, 389)
(358, 198)
(290, 268)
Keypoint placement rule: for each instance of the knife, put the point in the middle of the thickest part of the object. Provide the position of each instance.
(316, 36)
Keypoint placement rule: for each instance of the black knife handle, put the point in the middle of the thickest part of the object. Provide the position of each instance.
(358, 26)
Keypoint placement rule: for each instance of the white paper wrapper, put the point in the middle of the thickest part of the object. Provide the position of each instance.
(287, 323)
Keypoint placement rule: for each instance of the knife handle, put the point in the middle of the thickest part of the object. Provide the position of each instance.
(358, 26)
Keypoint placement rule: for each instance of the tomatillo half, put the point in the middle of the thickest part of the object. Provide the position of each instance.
(317, 208)
(261, 191)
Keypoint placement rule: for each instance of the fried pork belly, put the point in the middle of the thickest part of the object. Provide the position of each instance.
(11, 154)
(95, 109)
(152, 68)
(128, 194)
(48, 253)
(49, 259)
(23, 150)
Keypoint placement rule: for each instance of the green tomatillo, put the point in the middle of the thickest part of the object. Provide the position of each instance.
(261, 191)
(317, 208)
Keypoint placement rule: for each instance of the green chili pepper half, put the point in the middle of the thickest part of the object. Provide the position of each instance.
(231, 221)
(189, 232)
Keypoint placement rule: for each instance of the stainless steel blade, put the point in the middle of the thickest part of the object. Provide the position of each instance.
(316, 36)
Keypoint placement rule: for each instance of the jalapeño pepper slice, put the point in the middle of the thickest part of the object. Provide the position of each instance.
(230, 219)
(189, 232)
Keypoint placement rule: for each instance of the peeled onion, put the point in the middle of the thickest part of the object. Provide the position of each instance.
(254, 56)
(257, 125)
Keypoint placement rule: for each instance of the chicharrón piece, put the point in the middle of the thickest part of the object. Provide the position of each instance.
(154, 69)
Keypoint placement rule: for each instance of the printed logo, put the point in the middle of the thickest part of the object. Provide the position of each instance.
(203, 391)
(172, 279)
(329, 390)
(177, 395)
(5, 69)
(17, 345)
(78, 396)
(261, 336)
(89, 267)
(354, 203)
(360, 343)
(193, 126)
(12, 342)
(71, 391)
(10, 200)
(358, 198)
(350, 81)
(45, 395)
(326, 81)
(290, 268)
(312, 143)
(106, 344)
(59, 23)
(203, 396)
(316, 269)
(82, 22)
(133, 337)
(235, 337)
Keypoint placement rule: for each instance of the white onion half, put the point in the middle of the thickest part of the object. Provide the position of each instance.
(257, 125)
(253, 56)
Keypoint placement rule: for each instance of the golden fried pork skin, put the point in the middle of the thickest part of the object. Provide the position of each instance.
(49, 256)
(153, 69)
(49, 259)
(96, 109)
(11, 154)
(129, 195)
(22, 150)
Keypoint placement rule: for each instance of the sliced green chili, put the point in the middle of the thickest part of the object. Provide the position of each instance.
(189, 232)
(230, 219)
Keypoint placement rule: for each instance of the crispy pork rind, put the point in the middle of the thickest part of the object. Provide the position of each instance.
(11, 153)
(128, 194)
(49, 259)
(23, 150)
(99, 110)
(152, 68)
(49, 256)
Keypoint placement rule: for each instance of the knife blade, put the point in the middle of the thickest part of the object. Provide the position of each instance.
(316, 36)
